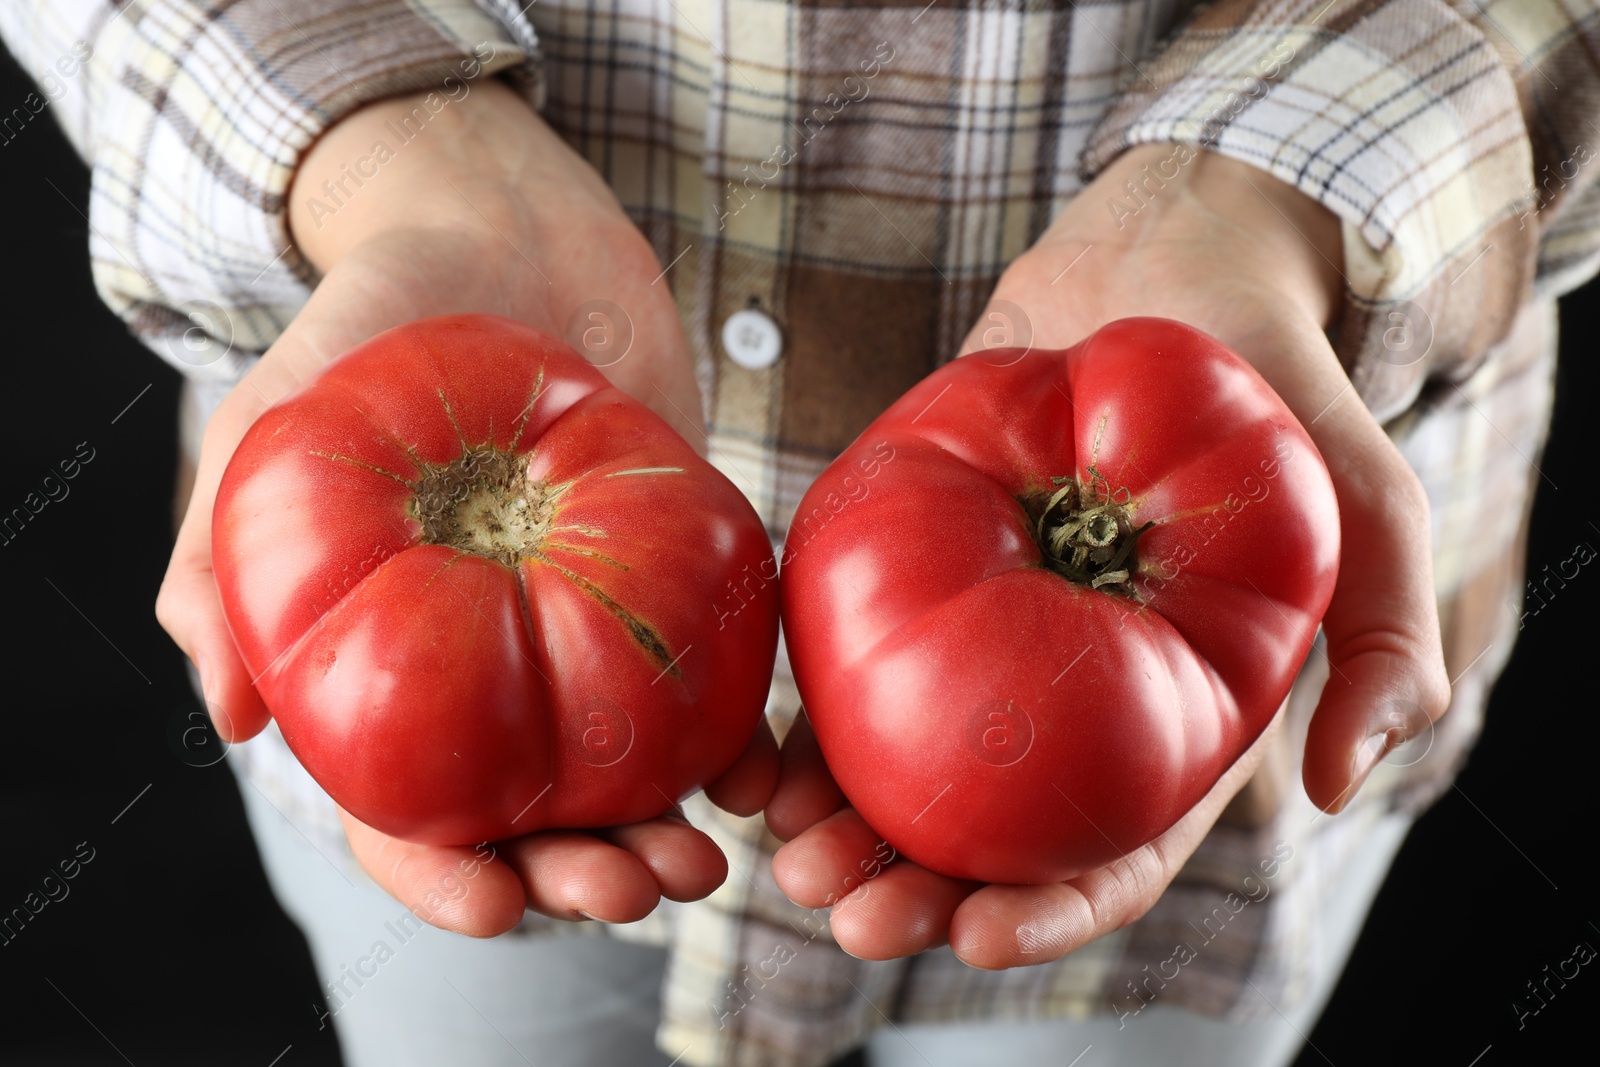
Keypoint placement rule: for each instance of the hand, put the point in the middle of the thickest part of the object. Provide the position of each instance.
(485, 210)
(1225, 248)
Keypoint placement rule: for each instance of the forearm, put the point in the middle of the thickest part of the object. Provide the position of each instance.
(440, 160)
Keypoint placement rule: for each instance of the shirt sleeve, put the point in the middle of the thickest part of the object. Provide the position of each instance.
(1450, 138)
(192, 117)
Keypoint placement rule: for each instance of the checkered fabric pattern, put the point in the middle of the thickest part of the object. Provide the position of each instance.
(863, 172)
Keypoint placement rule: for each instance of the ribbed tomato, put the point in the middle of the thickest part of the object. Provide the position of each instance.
(476, 586)
(1043, 602)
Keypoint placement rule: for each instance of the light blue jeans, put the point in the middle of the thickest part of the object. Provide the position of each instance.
(407, 994)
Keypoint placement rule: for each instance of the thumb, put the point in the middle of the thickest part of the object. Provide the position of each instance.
(1387, 680)
(188, 605)
(190, 610)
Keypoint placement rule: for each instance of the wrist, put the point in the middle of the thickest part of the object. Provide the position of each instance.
(1156, 193)
(477, 164)
(1294, 229)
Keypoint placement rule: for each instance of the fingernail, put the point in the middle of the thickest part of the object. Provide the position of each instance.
(208, 693)
(207, 683)
(198, 676)
(586, 915)
(1371, 751)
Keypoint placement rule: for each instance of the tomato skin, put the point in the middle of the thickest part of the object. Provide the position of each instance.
(996, 721)
(451, 698)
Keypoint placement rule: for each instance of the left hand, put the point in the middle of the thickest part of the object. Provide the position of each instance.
(1224, 247)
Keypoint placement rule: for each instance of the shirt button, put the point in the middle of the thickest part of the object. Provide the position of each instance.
(752, 339)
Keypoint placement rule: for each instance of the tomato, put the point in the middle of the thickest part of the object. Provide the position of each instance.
(1045, 600)
(477, 588)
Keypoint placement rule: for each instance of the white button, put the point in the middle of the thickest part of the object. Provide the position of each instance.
(752, 339)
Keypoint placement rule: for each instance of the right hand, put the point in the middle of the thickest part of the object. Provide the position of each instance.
(486, 209)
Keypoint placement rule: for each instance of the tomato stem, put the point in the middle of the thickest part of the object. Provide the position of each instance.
(484, 503)
(1086, 535)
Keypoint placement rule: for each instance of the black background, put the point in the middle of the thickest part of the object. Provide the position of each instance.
(169, 948)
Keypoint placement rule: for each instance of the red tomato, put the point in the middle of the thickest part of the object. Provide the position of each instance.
(1041, 605)
(476, 587)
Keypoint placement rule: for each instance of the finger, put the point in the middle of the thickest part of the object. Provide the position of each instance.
(685, 863)
(1387, 678)
(747, 786)
(188, 605)
(572, 875)
(1010, 926)
(190, 610)
(829, 861)
(905, 910)
(1003, 926)
(467, 890)
(806, 793)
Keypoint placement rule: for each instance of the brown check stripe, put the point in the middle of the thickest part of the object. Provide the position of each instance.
(863, 172)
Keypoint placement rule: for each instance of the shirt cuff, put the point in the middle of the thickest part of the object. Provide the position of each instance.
(202, 115)
(1400, 118)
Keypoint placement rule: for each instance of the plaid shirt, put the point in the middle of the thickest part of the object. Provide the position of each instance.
(863, 173)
